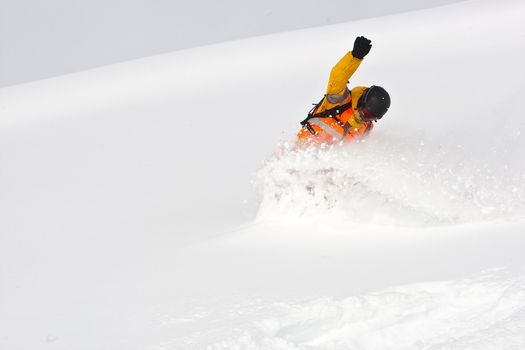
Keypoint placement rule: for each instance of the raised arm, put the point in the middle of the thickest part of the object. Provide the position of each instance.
(347, 66)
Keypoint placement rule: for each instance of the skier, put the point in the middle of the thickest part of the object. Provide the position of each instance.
(344, 115)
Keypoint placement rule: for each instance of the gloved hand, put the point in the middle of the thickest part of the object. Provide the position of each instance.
(362, 47)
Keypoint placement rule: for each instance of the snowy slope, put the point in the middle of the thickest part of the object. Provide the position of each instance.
(155, 204)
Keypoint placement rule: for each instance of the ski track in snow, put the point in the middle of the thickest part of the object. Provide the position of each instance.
(486, 311)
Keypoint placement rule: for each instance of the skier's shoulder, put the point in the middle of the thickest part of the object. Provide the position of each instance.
(357, 91)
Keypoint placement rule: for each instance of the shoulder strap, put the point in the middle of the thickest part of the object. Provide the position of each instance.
(329, 113)
(333, 112)
(305, 122)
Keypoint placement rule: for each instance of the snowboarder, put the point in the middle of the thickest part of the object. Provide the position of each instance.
(344, 115)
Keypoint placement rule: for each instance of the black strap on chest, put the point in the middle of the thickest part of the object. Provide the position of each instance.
(333, 113)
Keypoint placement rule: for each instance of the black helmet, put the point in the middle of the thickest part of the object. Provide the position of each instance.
(374, 103)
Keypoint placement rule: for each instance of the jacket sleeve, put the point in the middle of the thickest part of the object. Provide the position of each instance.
(340, 74)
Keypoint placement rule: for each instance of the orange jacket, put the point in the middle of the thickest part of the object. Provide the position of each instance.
(348, 125)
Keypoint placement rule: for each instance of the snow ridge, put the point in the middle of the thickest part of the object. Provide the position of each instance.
(484, 312)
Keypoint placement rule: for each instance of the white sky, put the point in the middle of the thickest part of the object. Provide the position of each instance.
(40, 39)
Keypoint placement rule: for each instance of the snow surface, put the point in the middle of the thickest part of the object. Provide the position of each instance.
(160, 203)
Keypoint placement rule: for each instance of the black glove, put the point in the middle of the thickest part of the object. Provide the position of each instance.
(362, 47)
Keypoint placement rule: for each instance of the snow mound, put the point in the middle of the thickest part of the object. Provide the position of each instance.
(485, 312)
(384, 180)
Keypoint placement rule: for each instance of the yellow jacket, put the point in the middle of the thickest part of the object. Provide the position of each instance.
(338, 92)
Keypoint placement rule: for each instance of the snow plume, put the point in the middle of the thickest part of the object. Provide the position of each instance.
(384, 180)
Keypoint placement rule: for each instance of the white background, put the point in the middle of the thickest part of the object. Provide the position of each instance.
(40, 39)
